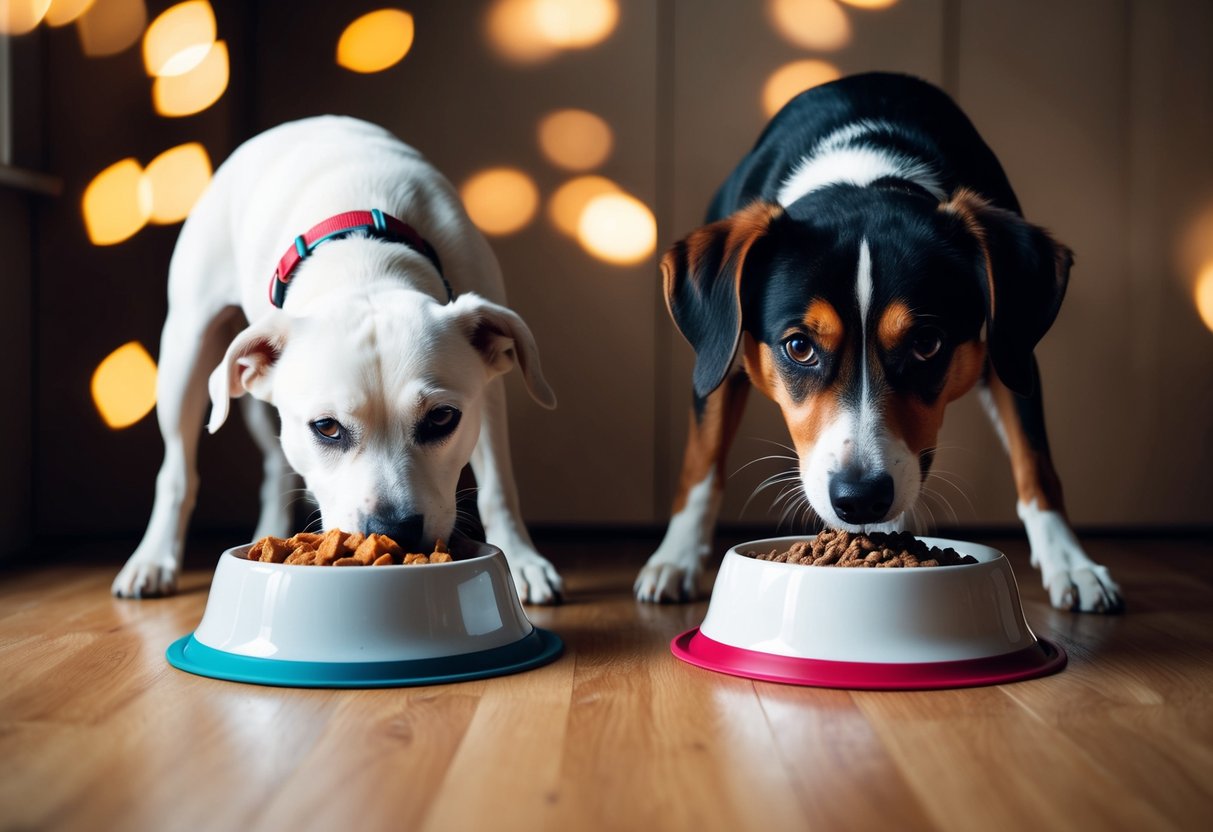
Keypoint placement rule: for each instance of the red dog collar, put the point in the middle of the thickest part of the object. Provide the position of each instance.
(373, 223)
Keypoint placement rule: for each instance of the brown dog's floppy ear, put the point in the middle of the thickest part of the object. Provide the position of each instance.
(1024, 275)
(703, 277)
(248, 365)
(503, 339)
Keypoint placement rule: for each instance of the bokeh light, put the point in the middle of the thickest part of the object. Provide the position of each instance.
(17, 17)
(870, 4)
(575, 139)
(1204, 294)
(569, 202)
(63, 12)
(618, 228)
(124, 385)
(193, 92)
(117, 203)
(177, 177)
(528, 31)
(376, 41)
(789, 80)
(179, 39)
(111, 26)
(513, 31)
(576, 24)
(500, 200)
(811, 24)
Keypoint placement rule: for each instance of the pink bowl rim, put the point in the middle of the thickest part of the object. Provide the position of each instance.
(1040, 659)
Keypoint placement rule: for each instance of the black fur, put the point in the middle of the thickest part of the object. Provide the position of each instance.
(931, 259)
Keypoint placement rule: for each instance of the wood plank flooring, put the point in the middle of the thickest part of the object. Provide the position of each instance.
(98, 732)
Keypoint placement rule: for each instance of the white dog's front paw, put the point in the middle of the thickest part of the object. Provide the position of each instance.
(146, 578)
(534, 577)
(1073, 580)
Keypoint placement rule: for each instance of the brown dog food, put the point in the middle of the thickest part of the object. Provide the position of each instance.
(337, 548)
(835, 548)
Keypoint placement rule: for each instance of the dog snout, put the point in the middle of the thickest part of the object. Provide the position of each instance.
(404, 529)
(860, 498)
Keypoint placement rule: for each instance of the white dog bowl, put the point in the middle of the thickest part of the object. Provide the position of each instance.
(365, 626)
(828, 626)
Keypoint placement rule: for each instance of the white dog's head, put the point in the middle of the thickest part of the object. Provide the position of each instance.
(381, 397)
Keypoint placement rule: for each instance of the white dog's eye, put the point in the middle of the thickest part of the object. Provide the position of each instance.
(439, 423)
(329, 430)
(927, 344)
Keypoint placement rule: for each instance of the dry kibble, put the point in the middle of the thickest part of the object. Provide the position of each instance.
(336, 548)
(837, 548)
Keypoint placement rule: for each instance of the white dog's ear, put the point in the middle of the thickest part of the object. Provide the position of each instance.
(503, 340)
(248, 365)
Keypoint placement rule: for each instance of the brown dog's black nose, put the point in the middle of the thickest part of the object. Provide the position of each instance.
(858, 499)
(405, 530)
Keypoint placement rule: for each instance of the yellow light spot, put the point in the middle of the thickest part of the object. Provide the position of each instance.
(111, 26)
(791, 79)
(117, 203)
(1204, 294)
(513, 31)
(63, 12)
(811, 24)
(575, 139)
(576, 24)
(500, 200)
(17, 17)
(177, 177)
(570, 200)
(179, 39)
(618, 228)
(376, 41)
(124, 385)
(870, 4)
(193, 92)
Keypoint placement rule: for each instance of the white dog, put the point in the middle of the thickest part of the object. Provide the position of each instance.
(382, 360)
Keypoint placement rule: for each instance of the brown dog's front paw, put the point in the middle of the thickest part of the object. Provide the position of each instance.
(663, 583)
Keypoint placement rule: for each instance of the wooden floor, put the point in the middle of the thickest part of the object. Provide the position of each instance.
(98, 732)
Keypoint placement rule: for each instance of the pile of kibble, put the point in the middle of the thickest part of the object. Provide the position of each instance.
(837, 548)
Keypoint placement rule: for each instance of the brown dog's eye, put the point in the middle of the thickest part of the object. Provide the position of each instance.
(329, 429)
(926, 345)
(800, 350)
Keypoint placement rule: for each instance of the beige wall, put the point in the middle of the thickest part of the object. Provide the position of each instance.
(1102, 113)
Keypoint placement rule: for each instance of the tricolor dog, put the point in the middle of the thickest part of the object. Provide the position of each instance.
(380, 338)
(865, 265)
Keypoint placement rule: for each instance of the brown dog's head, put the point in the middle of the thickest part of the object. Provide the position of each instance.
(861, 316)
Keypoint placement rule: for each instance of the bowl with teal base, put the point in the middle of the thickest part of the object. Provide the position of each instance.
(363, 627)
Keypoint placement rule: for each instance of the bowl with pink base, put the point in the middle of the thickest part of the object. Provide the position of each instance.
(865, 628)
(367, 626)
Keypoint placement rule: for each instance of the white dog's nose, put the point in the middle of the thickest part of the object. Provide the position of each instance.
(404, 529)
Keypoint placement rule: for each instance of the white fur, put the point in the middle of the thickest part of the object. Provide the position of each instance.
(673, 571)
(858, 438)
(834, 160)
(366, 337)
(1072, 579)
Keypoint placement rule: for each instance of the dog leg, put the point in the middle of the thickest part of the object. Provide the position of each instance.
(278, 481)
(191, 344)
(1073, 580)
(497, 499)
(673, 571)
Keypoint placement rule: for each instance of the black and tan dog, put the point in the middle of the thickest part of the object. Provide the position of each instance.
(850, 265)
